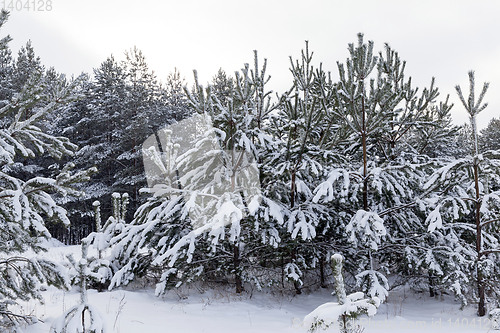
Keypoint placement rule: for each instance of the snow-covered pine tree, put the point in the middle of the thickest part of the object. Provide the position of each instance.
(202, 222)
(25, 204)
(377, 190)
(305, 129)
(464, 211)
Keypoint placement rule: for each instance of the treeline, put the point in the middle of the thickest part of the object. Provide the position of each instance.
(367, 166)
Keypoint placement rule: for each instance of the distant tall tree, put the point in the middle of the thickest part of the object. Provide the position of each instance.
(461, 145)
(122, 106)
(92, 123)
(27, 62)
(221, 86)
(174, 97)
(6, 66)
(434, 134)
(142, 103)
(489, 138)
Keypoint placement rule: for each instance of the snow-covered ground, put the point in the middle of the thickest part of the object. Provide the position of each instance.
(221, 311)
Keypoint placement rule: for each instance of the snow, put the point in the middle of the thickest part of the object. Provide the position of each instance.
(367, 227)
(331, 311)
(221, 310)
(337, 257)
(434, 219)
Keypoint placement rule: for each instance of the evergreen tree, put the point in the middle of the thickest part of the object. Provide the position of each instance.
(489, 138)
(378, 190)
(174, 98)
(464, 215)
(306, 130)
(141, 103)
(434, 135)
(26, 62)
(201, 221)
(25, 204)
(222, 85)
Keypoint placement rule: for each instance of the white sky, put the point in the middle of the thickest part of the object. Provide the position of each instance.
(441, 38)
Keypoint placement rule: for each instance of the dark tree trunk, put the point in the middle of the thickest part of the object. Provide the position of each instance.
(296, 284)
(322, 272)
(481, 311)
(432, 290)
(236, 266)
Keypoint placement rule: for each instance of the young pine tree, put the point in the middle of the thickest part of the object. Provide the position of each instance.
(305, 130)
(375, 192)
(464, 216)
(83, 317)
(200, 222)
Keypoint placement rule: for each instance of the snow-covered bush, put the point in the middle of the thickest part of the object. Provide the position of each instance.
(101, 240)
(81, 318)
(346, 310)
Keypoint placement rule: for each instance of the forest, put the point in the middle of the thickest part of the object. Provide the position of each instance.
(229, 183)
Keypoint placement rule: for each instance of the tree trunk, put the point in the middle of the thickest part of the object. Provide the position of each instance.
(296, 285)
(481, 311)
(432, 291)
(236, 266)
(365, 157)
(322, 272)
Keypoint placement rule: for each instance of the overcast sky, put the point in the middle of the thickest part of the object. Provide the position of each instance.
(441, 38)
